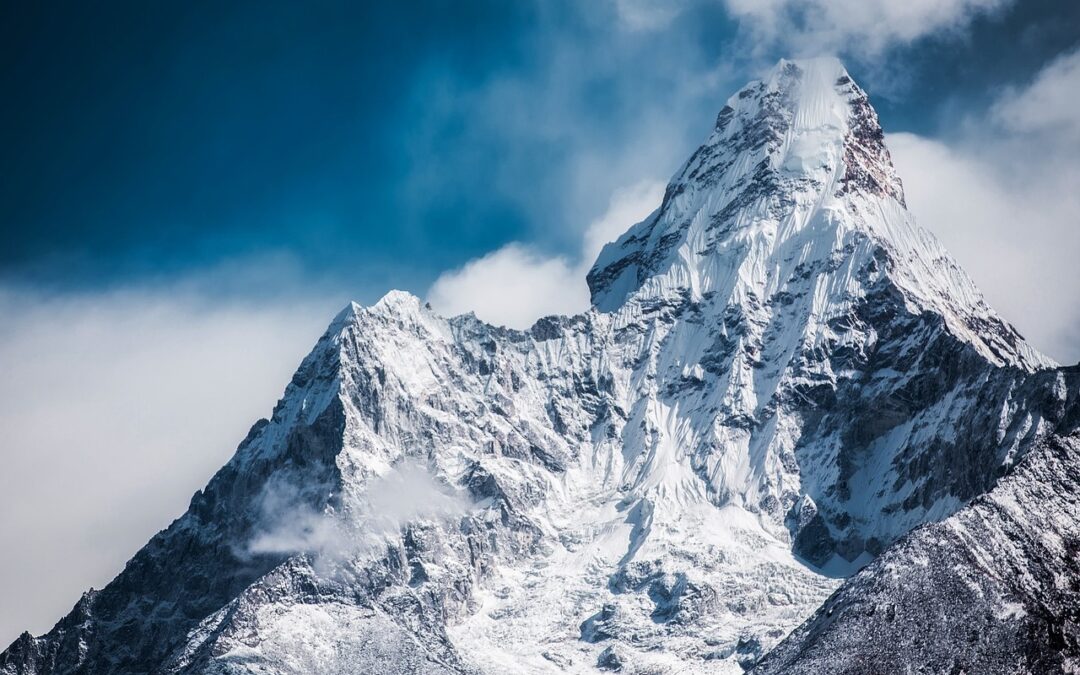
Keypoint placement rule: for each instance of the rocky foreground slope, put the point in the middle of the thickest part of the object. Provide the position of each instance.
(782, 378)
(993, 589)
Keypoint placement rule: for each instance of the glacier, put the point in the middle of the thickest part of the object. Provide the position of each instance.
(785, 391)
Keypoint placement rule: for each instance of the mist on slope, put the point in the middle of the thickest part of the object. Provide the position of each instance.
(408, 493)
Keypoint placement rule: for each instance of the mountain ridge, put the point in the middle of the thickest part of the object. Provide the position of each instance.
(781, 376)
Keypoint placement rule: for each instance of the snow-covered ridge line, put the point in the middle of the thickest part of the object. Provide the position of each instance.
(795, 163)
(781, 376)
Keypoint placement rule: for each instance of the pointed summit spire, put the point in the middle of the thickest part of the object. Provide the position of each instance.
(824, 98)
(809, 115)
(794, 179)
(803, 134)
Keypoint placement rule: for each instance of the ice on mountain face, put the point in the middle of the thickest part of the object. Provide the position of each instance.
(782, 375)
(795, 170)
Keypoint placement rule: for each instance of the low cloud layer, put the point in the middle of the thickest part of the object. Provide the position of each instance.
(114, 408)
(516, 285)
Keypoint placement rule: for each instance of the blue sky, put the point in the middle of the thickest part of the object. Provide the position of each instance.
(377, 145)
(193, 189)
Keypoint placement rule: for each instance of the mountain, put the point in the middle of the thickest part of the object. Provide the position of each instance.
(782, 381)
(992, 589)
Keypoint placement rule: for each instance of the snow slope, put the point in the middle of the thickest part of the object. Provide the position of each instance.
(782, 375)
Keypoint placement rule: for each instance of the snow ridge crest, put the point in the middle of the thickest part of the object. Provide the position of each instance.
(794, 176)
(781, 376)
(803, 136)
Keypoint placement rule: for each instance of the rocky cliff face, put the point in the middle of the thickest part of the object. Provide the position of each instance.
(995, 588)
(781, 376)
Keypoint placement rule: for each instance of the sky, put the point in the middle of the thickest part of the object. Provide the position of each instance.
(192, 190)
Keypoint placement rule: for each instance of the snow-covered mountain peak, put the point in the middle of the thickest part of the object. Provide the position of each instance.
(794, 192)
(783, 149)
(782, 375)
(398, 300)
(396, 310)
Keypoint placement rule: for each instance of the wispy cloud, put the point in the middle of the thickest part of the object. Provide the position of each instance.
(860, 27)
(596, 109)
(648, 15)
(406, 494)
(1049, 106)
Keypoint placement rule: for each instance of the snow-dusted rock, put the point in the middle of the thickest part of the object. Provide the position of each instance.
(992, 589)
(782, 374)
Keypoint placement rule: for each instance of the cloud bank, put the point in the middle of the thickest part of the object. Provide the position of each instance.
(1003, 198)
(114, 408)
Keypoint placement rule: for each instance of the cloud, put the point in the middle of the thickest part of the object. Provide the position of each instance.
(516, 285)
(647, 15)
(115, 407)
(628, 206)
(512, 286)
(862, 27)
(1002, 197)
(592, 110)
(1049, 105)
(289, 525)
(406, 494)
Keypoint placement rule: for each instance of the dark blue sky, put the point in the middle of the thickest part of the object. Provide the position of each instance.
(375, 145)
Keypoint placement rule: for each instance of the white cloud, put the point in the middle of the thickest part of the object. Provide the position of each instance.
(1003, 199)
(114, 408)
(406, 494)
(515, 285)
(1050, 105)
(627, 206)
(865, 27)
(645, 15)
(512, 286)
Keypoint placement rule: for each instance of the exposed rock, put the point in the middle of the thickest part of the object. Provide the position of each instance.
(782, 376)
